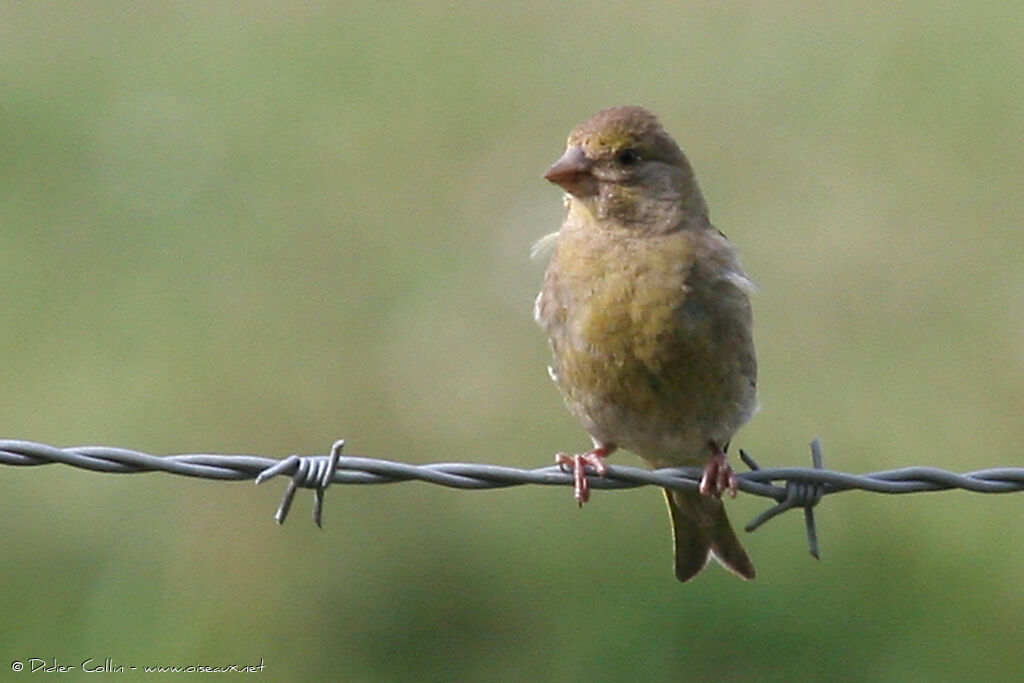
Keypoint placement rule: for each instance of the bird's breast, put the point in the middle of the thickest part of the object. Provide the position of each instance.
(640, 340)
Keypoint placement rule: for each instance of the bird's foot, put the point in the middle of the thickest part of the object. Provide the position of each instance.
(577, 464)
(718, 475)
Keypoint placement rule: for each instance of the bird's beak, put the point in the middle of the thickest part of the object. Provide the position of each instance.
(572, 173)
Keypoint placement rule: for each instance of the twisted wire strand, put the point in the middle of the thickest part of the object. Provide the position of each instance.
(790, 487)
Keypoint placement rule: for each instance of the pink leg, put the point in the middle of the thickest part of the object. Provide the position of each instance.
(578, 464)
(718, 475)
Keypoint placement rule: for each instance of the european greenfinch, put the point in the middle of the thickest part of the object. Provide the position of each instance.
(648, 314)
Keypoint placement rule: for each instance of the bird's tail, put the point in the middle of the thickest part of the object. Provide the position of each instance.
(701, 529)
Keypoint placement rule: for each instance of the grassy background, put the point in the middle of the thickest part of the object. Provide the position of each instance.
(257, 227)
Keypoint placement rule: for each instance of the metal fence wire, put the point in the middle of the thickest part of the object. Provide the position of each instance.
(789, 487)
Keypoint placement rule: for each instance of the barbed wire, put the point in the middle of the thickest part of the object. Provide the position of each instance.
(790, 487)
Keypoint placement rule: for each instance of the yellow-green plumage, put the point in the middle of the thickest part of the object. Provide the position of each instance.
(647, 311)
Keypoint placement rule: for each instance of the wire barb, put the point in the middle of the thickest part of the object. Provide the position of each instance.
(312, 472)
(798, 493)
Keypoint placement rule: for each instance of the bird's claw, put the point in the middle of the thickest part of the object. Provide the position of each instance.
(718, 476)
(577, 464)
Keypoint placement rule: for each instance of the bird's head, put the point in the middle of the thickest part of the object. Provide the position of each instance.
(621, 166)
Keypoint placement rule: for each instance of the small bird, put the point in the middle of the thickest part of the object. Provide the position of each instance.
(648, 314)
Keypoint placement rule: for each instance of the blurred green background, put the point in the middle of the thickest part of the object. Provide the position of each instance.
(258, 227)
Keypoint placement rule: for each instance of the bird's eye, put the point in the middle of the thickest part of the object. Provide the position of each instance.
(628, 157)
